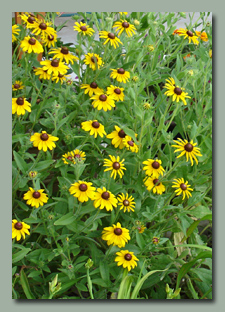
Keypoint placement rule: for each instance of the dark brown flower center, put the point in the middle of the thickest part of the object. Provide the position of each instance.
(36, 194)
(183, 186)
(18, 225)
(128, 257)
(83, 28)
(60, 75)
(105, 195)
(156, 165)
(111, 35)
(20, 101)
(32, 41)
(125, 24)
(44, 137)
(121, 134)
(118, 231)
(55, 63)
(16, 86)
(77, 156)
(155, 240)
(117, 91)
(70, 157)
(94, 59)
(116, 165)
(64, 50)
(131, 143)
(95, 124)
(103, 97)
(31, 19)
(178, 91)
(43, 26)
(188, 147)
(83, 187)
(93, 85)
(126, 202)
(120, 71)
(51, 38)
(156, 182)
(190, 33)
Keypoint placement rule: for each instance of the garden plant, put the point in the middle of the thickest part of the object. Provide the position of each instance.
(112, 157)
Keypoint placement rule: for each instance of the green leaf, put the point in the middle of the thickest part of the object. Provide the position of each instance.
(43, 164)
(125, 287)
(21, 164)
(67, 219)
(104, 271)
(20, 255)
(25, 285)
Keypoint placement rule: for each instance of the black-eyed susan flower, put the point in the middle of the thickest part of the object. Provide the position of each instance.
(15, 31)
(116, 92)
(203, 35)
(93, 59)
(60, 78)
(74, 156)
(141, 228)
(43, 141)
(117, 137)
(30, 44)
(188, 34)
(182, 188)
(50, 40)
(28, 19)
(54, 66)
(18, 85)
(115, 165)
(105, 199)
(175, 91)
(116, 235)
(91, 88)
(20, 106)
(126, 202)
(155, 240)
(35, 198)
(103, 101)
(82, 190)
(68, 157)
(83, 29)
(63, 54)
(120, 75)
(154, 185)
(19, 229)
(127, 259)
(187, 148)
(123, 25)
(43, 74)
(153, 168)
(110, 37)
(130, 145)
(94, 127)
(42, 28)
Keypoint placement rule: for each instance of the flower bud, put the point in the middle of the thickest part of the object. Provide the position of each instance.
(89, 264)
(32, 174)
(150, 48)
(136, 22)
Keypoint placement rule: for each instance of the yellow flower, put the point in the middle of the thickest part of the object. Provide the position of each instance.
(103, 101)
(42, 28)
(123, 25)
(18, 85)
(83, 28)
(50, 40)
(120, 75)
(155, 185)
(105, 199)
(136, 22)
(135, 78)
(203, 35)
(155, 240)
(91, 88)
(92, 60)
(176, 92)
(35, 198)
(141, 228)
(55, 66)
(30, 44)
(116, 92)
(127, 259)
(123, 13)
(43, 74)
(82, 190)
(32, 174)
(117, 137)
(188, 34)
(115, 165)
(110, 37)
(60, 78)
(153, 168)
(20, 106)
(146, 106)
(130, 145)
(15, 31)
(63, 54)
(210, 53)
(116, 235)
(74, 156)
(94, 127)
(29, 19)
(43, 140)
(182, 188)
(126, 203)
(19, 229)
(187, 148)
